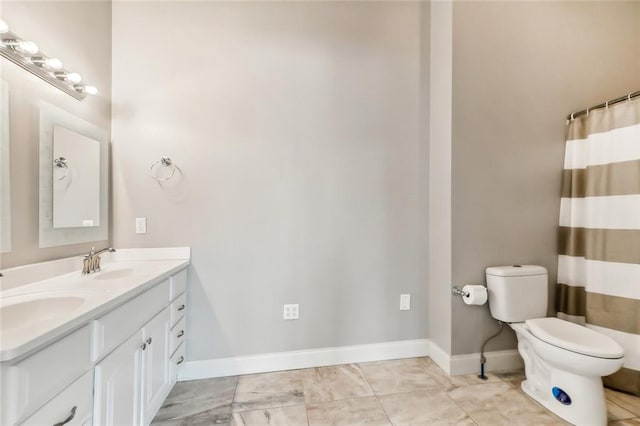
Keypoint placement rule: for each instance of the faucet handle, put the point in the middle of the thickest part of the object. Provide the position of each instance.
(86, 265)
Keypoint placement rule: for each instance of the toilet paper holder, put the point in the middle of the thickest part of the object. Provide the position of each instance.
(458, 291)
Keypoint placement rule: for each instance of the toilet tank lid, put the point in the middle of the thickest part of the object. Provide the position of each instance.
(575, 338)
(515, 270)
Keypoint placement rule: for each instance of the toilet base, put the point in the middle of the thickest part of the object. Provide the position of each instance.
(587, 404)
(576, 398)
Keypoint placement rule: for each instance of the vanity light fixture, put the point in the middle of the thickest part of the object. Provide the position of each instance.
(71, 77)
(26, 54)
(23, 46)
(50, 63)
(89, 90)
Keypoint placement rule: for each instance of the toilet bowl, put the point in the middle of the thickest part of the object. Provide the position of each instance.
(564, 365)
(564, 362)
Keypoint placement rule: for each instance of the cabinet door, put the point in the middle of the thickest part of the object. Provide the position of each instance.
(156, 380)
(117, 385)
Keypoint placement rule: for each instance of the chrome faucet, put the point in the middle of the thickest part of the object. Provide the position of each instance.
(91, 262)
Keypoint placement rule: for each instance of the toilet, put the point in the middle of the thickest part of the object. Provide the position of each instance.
(564, 362)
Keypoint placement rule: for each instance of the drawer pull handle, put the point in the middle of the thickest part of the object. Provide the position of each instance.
(181, 307)
(180, 333)
(68, 419)
(180, 361)
(148, 341)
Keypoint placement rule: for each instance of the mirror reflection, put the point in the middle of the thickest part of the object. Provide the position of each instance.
(76, 179)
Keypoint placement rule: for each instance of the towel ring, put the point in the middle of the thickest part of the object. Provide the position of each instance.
(162, 162)
(61, 162)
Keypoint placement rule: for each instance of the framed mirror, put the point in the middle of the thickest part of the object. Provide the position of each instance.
(5, 187)
(73, 179)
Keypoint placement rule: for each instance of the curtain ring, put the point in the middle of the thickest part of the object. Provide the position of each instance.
(587, 112)
(163, 162)
(606, 105)
(629, 98)
(572, 116)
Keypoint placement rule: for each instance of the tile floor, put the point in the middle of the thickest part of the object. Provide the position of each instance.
(400, 392)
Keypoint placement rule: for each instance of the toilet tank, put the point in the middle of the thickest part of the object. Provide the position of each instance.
(517, 292)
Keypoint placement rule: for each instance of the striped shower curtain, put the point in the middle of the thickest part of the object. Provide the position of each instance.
(599, 241)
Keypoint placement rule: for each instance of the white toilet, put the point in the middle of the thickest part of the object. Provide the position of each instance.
(564, 362)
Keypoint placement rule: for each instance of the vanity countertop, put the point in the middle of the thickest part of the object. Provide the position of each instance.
(40, 312)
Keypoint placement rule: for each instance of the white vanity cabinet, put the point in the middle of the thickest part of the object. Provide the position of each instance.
(134, 379)
(116, 369)
(116, 399)
(156, 382)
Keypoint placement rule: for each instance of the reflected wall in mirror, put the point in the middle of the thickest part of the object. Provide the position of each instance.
(73, 179)
(76, 179)
(5, 187)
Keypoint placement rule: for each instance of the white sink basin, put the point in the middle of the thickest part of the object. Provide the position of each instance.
(25, 311)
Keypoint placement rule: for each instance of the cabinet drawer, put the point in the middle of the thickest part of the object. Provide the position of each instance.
(178, 284)
(60, 408)
(41, 376)
(177, 361)
(177, 335)
(114, 327)
(178, 308)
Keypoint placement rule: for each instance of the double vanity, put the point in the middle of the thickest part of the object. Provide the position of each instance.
(94, 349)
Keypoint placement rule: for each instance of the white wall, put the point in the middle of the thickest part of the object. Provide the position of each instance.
(79, 33)
(297, 128)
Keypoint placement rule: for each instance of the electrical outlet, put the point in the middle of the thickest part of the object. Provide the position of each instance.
(405, 302)
(290, 312)
(141, 225)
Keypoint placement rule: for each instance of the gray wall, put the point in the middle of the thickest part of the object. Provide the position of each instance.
(297, 128)
(79, 33)
(518, 70)
(439, 304)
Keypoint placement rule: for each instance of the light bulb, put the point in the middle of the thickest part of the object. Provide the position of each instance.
(53, 63)
(91, 90)
(50, 63)
(74, 77)
(28, 47)
(4, 28)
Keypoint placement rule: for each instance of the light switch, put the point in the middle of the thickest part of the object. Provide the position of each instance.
(141, 225)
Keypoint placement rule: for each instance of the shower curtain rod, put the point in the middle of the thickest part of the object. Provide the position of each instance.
(628, 97)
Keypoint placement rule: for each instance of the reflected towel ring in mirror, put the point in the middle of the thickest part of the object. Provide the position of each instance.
(61, 162)
(162, 162)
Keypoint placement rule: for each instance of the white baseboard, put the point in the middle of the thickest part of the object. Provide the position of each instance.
(293, 360)
(440, 357)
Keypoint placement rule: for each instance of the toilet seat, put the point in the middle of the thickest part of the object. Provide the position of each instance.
(574, 338)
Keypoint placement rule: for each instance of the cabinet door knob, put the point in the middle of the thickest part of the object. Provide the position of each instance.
(149, 341)
(68, 419)
(180, 333)
(180, 360)
(144, 346)
(181, 307)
